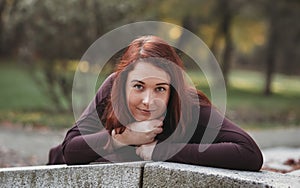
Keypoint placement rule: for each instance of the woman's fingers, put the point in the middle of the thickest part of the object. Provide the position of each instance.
(157, 131)
(138, 133)
(117, 140)
(160, 124)
(138, 150)
(145, 151)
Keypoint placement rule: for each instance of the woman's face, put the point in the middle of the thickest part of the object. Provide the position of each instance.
(147, 91)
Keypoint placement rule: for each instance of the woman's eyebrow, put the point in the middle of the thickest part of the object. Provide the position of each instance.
(159, 84)
(138, 81)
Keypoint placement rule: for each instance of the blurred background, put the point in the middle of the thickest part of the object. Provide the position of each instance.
(257, 44)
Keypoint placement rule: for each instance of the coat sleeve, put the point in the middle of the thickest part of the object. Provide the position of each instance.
(232, 147)
(87, 140)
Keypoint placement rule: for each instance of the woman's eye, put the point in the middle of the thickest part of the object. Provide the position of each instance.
(138, 87)
(160, 89)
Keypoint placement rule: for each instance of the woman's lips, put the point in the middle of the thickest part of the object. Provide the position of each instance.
(146, 111)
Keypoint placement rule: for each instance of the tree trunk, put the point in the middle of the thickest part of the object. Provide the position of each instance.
(98, 18)
(226, 23)
(189, 23)
(2, 8)
(271, 50)
(223, 30)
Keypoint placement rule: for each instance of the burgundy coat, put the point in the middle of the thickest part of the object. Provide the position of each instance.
(232, 147)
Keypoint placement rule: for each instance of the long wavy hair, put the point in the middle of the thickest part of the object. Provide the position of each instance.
(152, 49)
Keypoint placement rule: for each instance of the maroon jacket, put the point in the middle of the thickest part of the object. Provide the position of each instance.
(232, 147)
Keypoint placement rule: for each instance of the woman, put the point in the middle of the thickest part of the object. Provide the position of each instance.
(150, 113)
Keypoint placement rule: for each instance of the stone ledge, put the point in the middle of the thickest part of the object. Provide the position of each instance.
(98, 175)
(140, 174)
(162, 174)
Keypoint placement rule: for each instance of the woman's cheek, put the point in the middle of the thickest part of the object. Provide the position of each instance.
(161, 106)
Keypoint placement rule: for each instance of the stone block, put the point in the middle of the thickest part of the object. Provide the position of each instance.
(140, 174)
(163, 174)
(96, 175)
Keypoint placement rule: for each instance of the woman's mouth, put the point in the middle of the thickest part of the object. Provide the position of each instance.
(146, 111)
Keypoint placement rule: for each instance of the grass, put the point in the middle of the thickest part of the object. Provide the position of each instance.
(18, 91)
(22, 102)
(247, 106)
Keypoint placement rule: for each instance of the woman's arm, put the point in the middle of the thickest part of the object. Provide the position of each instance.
(87, 139)
(232, 148)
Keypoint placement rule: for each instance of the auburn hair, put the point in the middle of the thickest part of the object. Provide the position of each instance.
(152, 49)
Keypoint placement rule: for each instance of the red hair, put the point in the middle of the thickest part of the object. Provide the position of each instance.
(152, 49)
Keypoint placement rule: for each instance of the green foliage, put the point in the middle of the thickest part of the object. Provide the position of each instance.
(37, 118)
(55, 80)
(46, 35)
(55, 32)
(249, 108)
(18, 90)
(21, 101)
(55, 29)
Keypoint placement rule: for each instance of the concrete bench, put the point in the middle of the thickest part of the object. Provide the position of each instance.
(140, 174)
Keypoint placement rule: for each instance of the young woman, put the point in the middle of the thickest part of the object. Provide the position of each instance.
(146, 110)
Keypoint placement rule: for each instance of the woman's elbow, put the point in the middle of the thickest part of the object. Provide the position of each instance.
(69, 157)
(253, 161)
(72, 156)
(78, 156)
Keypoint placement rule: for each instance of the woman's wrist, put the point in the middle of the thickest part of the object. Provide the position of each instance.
(115, 142)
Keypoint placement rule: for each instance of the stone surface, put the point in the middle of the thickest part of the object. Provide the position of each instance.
(140, 174)
(164, 174)
(98, 175)
(31, 145)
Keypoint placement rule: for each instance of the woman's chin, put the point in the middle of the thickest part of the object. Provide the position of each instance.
(148, 118)
(142, 117)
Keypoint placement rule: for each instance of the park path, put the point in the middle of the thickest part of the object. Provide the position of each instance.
(26, 147)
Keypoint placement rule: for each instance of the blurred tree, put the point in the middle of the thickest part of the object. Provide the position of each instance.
(271, 45)
(289, 28)
(3, 4)
(48, 34)
(225, 12)
(197, 16)
(281, 48)
(56, 32)
(12, 28)
(283, 42)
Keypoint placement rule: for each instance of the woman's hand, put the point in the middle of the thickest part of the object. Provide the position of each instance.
(138, 133)
(145, 151)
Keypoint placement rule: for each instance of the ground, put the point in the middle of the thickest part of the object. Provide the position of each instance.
(21, 146)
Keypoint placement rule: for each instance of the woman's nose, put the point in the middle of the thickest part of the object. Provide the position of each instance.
(147, 98)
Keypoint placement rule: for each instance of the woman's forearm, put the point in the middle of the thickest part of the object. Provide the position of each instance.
(83, 149)
(223, 155)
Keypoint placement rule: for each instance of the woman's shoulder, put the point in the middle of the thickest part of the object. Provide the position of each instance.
(109, 80)
(107, 83)
(105, 88)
